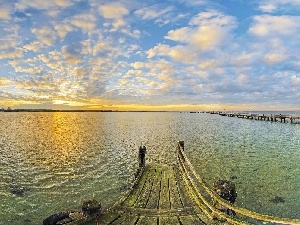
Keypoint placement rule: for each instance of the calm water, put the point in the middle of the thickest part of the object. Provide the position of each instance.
(62, 159)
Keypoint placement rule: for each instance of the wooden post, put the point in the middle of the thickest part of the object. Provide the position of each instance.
(142, 154)
(181, 144)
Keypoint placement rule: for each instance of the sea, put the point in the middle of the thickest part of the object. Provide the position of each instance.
(54, 161)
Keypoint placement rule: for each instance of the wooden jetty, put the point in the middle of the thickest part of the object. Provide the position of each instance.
(173, 194)
(265, 117)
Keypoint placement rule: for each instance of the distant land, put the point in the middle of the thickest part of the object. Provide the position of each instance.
(70, 110)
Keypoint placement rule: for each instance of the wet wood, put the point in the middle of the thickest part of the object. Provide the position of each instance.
(159, 198)
(293, 119)
(173, 194)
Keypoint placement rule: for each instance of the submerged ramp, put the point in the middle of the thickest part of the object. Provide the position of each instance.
(174, 194)
(158, 197)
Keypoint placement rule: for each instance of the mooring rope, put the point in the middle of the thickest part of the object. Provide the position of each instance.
(241, 211)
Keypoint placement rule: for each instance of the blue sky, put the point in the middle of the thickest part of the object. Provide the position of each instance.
(152, 55)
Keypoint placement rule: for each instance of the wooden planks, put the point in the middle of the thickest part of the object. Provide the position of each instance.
(159, 198)
(158, 189)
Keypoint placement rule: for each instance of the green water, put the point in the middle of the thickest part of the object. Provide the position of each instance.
(62, 159)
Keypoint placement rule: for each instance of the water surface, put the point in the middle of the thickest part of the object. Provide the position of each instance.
(62, 159)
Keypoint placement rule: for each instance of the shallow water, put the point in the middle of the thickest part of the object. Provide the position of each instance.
(62, 159)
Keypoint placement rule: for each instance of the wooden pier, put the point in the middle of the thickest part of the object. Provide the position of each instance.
(173, 194)
(265, 117)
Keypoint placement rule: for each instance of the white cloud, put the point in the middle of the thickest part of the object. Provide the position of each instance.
(295, 81)
(268, 25)
(45, 35)
(86, 21)
(137, 65)
(270, 6)
(274, 58)
(153, 12)
(4, 81)
(242, 59)
(7, 42)
(63, 29)
(178, 53)
(113, 11)
(17, 53)
(32, 70)
(37, 4)
(101, 47)
(207, 30)
(34, 46)
(5, 12)
(137, 73)
(243, 79)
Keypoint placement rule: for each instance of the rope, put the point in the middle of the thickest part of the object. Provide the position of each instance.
(242, 211)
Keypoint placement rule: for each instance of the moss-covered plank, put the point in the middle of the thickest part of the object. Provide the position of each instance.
(191, 219)
(147, 221)
(139, 188)
(164, 220)
(175, 200)
(164, 195)
(154, 196)
(126, 219)
(146, 192)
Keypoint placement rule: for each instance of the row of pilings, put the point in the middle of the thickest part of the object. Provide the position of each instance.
(266, 117)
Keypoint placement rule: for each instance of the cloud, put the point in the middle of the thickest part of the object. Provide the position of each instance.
(136, 73)
(84, 21)
(45, 5)
(17, 53)
(153, 12)
(295, 80)
(194, 2)
(8, 42)
(268, 25)
(63, 29)
(206, 31)
(4, 81)
(72, 53)
(243, 79)
(5, 12)
(116, 12)
(34, 46)
(34, 70)
(274, 58)
(242, 59)
(113, 11)
(45, 35)
(177, 53)
(270, 6)
(161, 14)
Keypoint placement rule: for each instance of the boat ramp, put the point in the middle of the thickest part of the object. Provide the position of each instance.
(172, 194)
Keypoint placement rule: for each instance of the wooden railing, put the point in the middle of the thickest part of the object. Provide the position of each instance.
(204, 197)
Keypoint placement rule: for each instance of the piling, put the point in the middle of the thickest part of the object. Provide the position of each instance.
(142, 156)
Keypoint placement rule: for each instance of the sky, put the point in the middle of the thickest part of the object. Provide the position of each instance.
(150, 55)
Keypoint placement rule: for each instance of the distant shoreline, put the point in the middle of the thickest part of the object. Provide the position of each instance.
(77, 110)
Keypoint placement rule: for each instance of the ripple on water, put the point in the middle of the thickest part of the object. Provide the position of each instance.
(66, 158)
